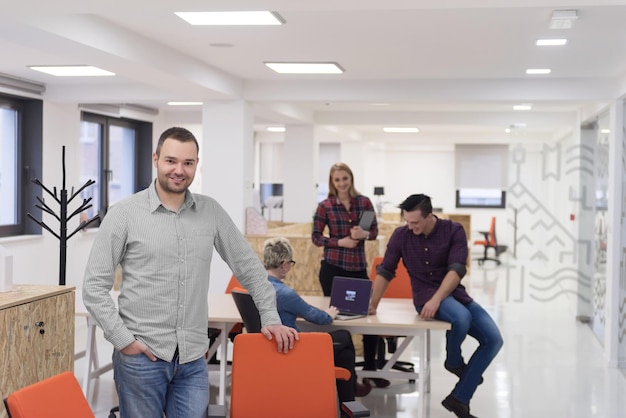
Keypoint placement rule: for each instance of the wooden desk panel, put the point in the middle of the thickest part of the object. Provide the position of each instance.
(36, 335)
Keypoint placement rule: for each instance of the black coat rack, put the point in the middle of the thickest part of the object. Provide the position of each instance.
(63, 217)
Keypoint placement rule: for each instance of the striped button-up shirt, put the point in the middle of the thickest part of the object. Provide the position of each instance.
(165, 258)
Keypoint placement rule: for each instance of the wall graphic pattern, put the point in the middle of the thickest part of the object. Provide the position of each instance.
(549, 246)
(559, 193)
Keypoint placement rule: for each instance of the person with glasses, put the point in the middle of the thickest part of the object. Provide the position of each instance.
(278, 261)
(344, 246)
(434, 252)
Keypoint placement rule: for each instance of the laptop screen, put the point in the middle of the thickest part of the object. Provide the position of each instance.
(351, 295)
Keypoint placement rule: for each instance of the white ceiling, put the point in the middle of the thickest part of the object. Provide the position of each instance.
(452, 68)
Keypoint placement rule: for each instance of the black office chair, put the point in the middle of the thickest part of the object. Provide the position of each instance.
(247, 309)
(490, 241)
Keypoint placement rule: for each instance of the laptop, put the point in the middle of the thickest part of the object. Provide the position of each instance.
(351, 297)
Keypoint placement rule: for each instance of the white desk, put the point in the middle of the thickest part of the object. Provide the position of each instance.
(396, 317)
(223, 314)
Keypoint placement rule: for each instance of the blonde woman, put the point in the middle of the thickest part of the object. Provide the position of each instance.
(344, 246)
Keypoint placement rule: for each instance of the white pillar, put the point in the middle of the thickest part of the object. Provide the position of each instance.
(300, 158)
(616, 240)
(227, 167)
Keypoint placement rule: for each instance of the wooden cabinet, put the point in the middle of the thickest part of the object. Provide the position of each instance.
(36, 335)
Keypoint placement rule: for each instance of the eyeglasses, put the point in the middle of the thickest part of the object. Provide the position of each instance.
(293, 263)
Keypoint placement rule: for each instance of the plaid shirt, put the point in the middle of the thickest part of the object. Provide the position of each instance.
(428, 259)
(330, 212)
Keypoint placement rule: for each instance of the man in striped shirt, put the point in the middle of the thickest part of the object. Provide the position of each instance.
(163, 238)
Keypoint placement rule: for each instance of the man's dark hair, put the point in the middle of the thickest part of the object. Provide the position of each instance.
(419, 202)
(177, 133)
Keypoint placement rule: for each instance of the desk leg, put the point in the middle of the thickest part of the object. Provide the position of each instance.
(223, 362)
(90, 353)
(428, 361)
(423, 377)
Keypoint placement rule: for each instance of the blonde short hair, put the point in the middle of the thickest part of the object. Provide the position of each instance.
(276, 251)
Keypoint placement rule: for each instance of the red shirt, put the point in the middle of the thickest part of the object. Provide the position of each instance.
(330, 212)
(428, 259)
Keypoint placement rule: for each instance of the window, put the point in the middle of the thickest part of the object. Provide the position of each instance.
(20, 162)
(117, 154)
(481, 175)
(480, 198)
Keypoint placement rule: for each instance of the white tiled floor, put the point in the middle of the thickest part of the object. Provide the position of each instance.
(550, 366)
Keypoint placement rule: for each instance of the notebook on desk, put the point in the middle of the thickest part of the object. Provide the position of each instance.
(351, 297)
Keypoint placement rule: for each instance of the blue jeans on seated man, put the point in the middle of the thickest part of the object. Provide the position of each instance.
(148, 389)
(473, 320)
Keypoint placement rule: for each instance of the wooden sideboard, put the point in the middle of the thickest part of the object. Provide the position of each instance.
(36, 335)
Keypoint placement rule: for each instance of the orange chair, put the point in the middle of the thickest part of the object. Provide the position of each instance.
(490, 241)
(304, 377)
(59, 396)
(399, 288)
(232, 284)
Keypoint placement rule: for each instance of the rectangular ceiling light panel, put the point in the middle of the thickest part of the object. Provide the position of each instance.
(72, 70)
(231, 18)
(305, 67)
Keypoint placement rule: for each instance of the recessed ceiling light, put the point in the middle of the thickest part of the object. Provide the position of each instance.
(276, 129)
(184, 103)
(605, 131)
(507, 130)
(221, 45)
(71, 70)
(394, 130)
(522, 107)
(231, 18)
(551, 42)
(538, 71)
(563, 19)
(305, 67)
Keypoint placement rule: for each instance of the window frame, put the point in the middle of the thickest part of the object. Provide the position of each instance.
(29, 163)
(143, 154)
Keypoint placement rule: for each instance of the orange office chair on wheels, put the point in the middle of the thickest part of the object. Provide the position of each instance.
(399, 287)
(59, 396)
(490, 241)
(260, 372)
(252, 323)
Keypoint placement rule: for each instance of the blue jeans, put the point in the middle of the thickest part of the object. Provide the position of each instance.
(148, 389)
(473, 320)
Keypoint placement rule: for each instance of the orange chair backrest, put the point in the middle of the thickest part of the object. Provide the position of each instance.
(59, 396)
(400, 286)
(266, 383)
(232, 284)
